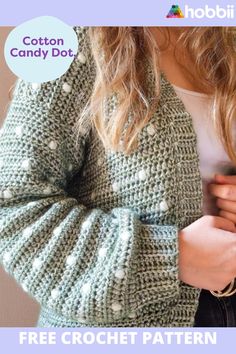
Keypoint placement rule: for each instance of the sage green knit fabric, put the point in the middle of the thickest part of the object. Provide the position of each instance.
(92, 234)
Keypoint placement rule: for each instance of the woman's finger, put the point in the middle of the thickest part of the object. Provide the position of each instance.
(228, 215)
(230, 179)
(224, 191)
(226, 205)
(224, 223)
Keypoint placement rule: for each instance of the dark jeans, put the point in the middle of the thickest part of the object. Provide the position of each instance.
(215, 312)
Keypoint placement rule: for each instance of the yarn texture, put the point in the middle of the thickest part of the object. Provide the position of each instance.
(92, 234)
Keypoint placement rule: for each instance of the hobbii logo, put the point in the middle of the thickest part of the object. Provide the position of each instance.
(209, 12)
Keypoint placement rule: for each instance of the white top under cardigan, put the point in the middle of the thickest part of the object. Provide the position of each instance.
(213, 157)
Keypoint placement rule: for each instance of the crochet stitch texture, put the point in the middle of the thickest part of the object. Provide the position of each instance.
(93, 235)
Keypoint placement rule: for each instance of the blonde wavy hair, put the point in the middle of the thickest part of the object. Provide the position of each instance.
(121, 70)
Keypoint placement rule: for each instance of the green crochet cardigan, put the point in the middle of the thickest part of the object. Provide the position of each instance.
(92, 235)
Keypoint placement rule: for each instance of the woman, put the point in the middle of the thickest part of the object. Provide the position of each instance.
(102, 200)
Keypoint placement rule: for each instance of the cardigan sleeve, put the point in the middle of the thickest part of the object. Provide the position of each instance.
(85, 264)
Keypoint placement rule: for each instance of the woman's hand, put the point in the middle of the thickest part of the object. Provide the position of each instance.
(225, 192)
(207, 253)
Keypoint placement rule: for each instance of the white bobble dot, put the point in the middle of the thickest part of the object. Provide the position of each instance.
(37, 263)
(27, 232)
(115, 186)
(32, 204)
(81, 318)
(126, 210)
(47, 190)
(7, 194)
(6, 257)
(85, 224)
(116, 307)
(163, 205)
(120, 274)
(1, 163)
(57, 230)
(1, 131)
(24, 287)
(70, 167)
(121, 143)
(52, 179)
(125, 235)
(82, 130)
(116, 221)
(100, 161)
(102, 252)
(66, 87)
(93, 195)
(19, 130)
(151, 129)
(70, 260)
(25, 164)
(52, 145)
(55, 293)
(142, 175)
(35, 85)
(86, 288)
(132, 315)
(81, 57)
